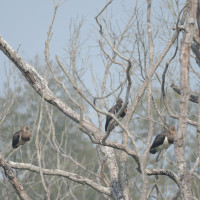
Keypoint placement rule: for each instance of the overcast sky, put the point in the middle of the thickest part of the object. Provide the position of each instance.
(26, 22)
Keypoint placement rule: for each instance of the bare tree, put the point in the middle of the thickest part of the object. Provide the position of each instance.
(141, 57)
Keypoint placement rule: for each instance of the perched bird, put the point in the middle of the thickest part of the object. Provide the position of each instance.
(163, 140)
(115, 109)
(20, 137)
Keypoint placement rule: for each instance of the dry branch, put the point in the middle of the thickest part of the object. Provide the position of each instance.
(163, 172)
(40, 86)
(13, 179)
(58, 172)
(192, 98)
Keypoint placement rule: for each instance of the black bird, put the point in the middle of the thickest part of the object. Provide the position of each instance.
(163, 140)
(115, 109)
(20, 137)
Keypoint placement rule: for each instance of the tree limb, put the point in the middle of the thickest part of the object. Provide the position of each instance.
(40, 86)
(13, 179)
(58, 172)
(192, 98)
(162, 172)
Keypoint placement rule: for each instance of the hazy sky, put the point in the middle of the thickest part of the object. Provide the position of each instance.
(26, 22)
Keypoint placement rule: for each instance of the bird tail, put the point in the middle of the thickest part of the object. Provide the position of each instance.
(14, 146)
(106, 126)
(153, 151)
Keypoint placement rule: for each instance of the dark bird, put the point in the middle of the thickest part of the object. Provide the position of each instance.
(115, 109)
(163, 140)
(20, 137)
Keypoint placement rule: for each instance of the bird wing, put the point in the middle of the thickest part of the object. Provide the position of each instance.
(15, 140)
(109, 118)
(158, 140)
(123, 113)
(115, 109)
(25, 135)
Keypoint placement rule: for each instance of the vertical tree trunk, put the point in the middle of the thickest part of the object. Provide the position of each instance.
(116, 189)
(149, 104)
(123, 169)
(186, 192)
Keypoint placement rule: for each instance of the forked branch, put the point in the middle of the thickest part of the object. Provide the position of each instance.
(13, 179)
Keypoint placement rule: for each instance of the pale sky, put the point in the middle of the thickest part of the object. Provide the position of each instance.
(26, 22)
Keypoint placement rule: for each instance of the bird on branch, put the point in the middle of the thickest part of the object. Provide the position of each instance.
(163, 141)
(115, 109)
(21, 137)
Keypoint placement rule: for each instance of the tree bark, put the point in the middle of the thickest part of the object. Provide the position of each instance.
(186, 191)
(13, 179)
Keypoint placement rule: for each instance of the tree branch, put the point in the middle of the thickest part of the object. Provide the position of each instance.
(13, 179)
(162, 172)
(192, 98)
(58, 172)
(41, 87)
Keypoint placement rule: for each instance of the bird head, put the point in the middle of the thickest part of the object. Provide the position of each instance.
(26, 128)
(172, 130)
(119, 102)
